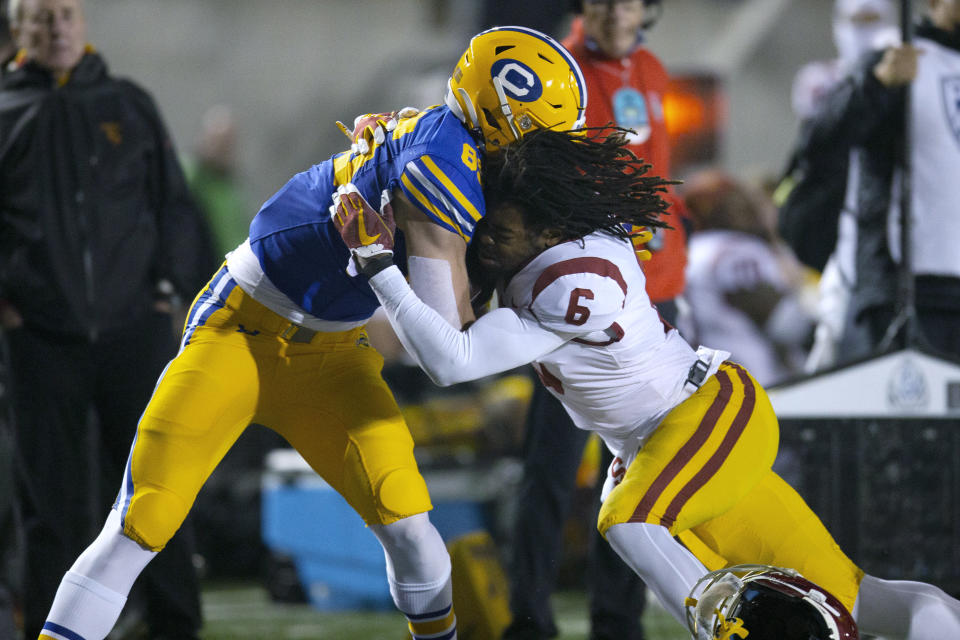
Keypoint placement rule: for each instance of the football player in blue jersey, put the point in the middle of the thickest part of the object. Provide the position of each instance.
(277, 338)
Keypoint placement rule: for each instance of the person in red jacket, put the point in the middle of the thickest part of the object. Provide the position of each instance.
(626, 83)
(625, 86)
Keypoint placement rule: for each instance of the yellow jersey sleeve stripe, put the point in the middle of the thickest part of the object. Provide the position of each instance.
(347, 164)
(424, 203)
(407, 125)
(438, 196)
(451, 187)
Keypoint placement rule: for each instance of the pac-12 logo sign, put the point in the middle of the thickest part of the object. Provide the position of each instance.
(518, 80)
(951, 102)
(630, 111)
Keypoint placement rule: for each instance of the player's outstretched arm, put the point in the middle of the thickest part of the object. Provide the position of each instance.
(436, 258)
(499, 341)
(436, 262)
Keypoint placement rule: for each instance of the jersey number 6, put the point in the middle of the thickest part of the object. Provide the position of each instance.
(576, 313)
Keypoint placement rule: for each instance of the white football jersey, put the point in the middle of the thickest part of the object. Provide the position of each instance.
(625, 369)
(720, 262)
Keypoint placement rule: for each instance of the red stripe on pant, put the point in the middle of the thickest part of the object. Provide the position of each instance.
(723, 451)
(687, 451)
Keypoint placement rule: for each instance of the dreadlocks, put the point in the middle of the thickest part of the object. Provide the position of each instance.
(578, 182)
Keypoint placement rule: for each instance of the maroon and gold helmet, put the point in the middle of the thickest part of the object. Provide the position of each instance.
(760, 602)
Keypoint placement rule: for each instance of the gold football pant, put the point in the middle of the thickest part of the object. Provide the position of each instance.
(705, 474)
(240, 363)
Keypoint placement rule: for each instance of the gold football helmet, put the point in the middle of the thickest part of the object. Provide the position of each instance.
(511, 80)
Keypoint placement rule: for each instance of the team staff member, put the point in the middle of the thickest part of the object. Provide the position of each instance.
(866, 112)
(277, 338)
(97, 234)
(626, 83)
(695, 436)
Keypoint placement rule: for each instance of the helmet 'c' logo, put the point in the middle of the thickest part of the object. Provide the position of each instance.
(518, 80)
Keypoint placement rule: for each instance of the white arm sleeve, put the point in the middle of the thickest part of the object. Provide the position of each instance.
(499, 341)
(432, 282)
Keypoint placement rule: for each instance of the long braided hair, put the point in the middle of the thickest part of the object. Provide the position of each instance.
(578, 182)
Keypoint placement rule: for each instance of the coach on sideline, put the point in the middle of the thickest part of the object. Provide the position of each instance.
(97, 236)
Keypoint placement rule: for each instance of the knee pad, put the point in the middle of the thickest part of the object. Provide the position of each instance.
(403, 492)
(607, 517)
(383, 496)
(153, 516)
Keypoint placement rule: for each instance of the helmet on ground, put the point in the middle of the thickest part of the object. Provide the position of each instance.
(760, 602)
(511, 80)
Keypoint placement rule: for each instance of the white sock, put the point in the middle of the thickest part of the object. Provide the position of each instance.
(113, 559)
(668, 568)
(905, 610)
(82, 608)
(418, 570)
(94, 590)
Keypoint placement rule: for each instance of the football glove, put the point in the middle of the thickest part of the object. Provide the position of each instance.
(367, 233)
(639, 237)
(371, 129)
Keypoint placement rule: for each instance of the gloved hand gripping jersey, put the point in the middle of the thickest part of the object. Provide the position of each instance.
(367, 233)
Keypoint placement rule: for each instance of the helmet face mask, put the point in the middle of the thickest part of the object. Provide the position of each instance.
(511, 80)
(765, 603)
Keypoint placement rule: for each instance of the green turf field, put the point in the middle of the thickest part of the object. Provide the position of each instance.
(242, 611)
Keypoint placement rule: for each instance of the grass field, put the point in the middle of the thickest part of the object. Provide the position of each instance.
(243, 611)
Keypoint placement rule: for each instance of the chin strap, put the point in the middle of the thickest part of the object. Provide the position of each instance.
(505, 108)
(457, 99)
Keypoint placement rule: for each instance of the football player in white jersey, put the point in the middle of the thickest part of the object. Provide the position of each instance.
(694, 435)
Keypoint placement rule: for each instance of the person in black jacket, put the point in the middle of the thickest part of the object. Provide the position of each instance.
(812, 193)
(9, 520)
(98, 236)
(866, 111)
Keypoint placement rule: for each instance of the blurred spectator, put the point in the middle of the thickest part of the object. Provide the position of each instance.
(7, 46)
(97, 238)
(865, 111)
(8, 528)
(858, 26)
(227, 517)
(212, 175)
(811, 196)
(743, 285)
(625, 85)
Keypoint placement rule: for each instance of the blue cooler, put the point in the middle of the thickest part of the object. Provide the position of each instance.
(338, 559)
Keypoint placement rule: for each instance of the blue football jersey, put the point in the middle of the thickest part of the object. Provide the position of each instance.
(432, 158)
